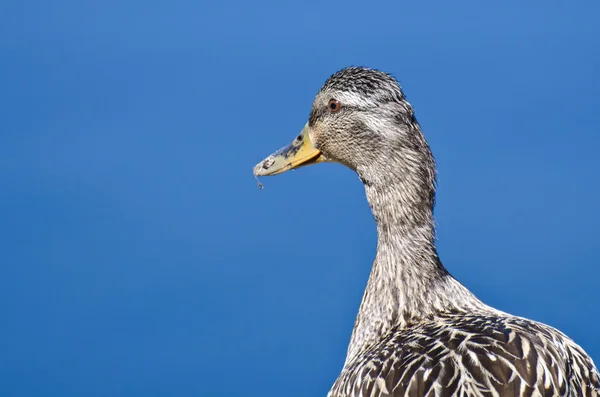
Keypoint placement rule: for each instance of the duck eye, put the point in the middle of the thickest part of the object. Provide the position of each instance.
(334, 105)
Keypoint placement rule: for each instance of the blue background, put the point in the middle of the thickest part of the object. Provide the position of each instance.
(138, 256)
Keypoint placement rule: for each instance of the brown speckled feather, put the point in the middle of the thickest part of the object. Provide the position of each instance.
(466, 355)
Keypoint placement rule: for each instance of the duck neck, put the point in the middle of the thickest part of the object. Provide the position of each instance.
(408, 283)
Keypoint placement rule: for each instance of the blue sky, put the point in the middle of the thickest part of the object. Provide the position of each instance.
(138, 256)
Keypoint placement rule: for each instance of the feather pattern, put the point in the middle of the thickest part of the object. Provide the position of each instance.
(460, 354)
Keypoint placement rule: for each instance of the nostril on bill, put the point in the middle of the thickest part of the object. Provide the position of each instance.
(268, 163)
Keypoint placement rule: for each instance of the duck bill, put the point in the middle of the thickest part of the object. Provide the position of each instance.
(297, 154)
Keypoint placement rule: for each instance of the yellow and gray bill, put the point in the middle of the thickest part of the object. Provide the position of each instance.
(299, 153)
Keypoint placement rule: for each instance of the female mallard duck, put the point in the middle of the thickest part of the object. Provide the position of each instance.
(419, 332)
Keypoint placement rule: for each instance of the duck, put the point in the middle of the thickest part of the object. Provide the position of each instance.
(419, 331)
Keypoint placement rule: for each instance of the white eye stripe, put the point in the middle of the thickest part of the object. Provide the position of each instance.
(351, 99)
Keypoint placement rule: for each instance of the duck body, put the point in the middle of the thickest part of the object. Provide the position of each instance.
(461, 354)
(419, 332)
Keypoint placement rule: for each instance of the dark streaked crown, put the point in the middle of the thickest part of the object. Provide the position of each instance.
(364, 81)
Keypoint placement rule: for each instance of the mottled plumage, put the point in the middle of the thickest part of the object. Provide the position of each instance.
(419, 332)
(459, 354)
